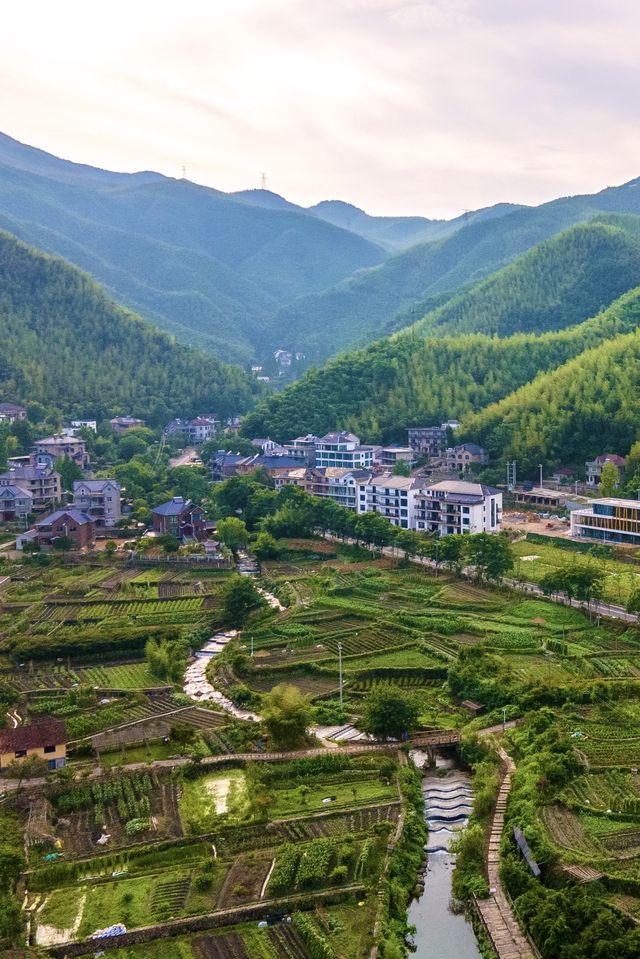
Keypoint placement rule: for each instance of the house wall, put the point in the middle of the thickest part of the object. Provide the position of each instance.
(58, 757)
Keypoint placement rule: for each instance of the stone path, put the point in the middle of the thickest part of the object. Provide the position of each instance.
(495, 912)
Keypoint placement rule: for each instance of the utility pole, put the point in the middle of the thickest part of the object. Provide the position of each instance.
(540, 467)
(340, 668)
(252, 644)
(504, 719)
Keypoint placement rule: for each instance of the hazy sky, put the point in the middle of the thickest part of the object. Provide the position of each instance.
(399, 106)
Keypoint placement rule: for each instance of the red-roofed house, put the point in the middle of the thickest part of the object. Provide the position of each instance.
(46, 739)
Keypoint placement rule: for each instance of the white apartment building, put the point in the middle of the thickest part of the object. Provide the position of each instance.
(99, 499)
(344, 449)
(457, 507)
(391, 496)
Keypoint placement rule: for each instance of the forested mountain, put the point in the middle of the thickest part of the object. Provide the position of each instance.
(587, 406)
(558, 283)
(378, 391)
(361, 308)
(193, 260)
(69, 347)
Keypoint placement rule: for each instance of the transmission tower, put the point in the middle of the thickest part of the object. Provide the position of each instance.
(263, 181)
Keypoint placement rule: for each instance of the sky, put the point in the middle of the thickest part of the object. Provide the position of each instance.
(425, 107)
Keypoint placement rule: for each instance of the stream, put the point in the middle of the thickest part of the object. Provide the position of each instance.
(441, 933)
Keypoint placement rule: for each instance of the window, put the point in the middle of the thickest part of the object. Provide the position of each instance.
(49, 749)
(20, 753)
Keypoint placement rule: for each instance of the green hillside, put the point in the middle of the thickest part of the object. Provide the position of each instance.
(380, 390)
(558, 283)
(197, 262)
(587, 406)
(362, 307)
(69, 347)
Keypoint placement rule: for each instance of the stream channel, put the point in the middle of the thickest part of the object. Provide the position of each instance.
(448, 797)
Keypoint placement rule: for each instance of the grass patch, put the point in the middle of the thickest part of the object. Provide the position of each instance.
(206, 799)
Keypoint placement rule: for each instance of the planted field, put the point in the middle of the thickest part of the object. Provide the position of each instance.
(228, 945)
(288, 801)
(609, 789)
(620, 580)
(245, 880)
(566, 830)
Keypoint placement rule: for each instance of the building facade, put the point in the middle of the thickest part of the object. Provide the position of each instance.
(11, 412)
(99, 499)
(427, 440)
(454, 507)
(181, 518)
(460, 458)
(391, 496)
(45, 739)
(64, 524)
(42, 483)
(608, 520)
(15, 503)
(594, 467)
(344, 450)
(120, 424)
(45, 452)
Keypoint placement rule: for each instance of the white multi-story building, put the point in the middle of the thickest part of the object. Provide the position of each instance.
(457, 507)
(391, 496)
(344, 449)
(99, 499)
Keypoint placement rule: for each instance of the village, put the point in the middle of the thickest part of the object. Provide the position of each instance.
(169, 596)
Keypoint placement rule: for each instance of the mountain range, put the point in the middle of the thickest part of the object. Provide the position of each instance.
(68, 348)
(522, 322)
(552, 317)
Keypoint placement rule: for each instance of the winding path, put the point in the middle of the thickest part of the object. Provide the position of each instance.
(495, 912)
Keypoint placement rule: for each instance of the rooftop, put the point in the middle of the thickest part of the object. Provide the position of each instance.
(393, 482)
(73, 514)
(94, 486)
(174, 507)
(462, 487)
(614, 501)
(27, 472)
(58, 439)
(14, 491)
(44, 732)
(339, 438)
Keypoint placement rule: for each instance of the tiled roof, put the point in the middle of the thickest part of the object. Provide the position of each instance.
(45, 732)
(74, 514)
(174, 507)
(14, 491)
(94, 486)
(27, 472)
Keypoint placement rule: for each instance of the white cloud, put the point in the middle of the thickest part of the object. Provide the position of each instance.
(400, 106)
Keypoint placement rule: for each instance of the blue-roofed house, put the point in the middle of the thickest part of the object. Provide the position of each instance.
(64, 524)
(179, 517)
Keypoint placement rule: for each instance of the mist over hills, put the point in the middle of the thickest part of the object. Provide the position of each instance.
(196, 262)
